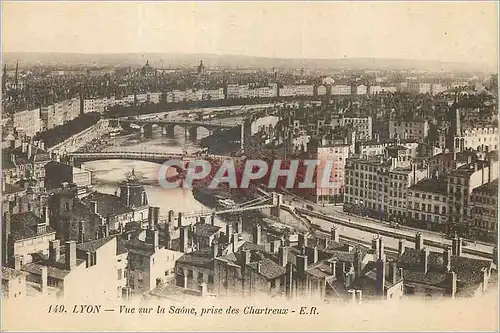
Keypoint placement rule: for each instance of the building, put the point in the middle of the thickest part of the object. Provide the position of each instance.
(25, 234)
(377, 186)
(477, 138)
(133, 195)
(378, 147)
(57, 173)
(27, 122)
(340, 90)
(94, 262)
(13, 283)
(415, 129)
(428, 203)
(332, 157)
(428, 274)
(151, 262)
(362, 126)
(484, 209)
(321, 90)
(111, 209)
(461, 182)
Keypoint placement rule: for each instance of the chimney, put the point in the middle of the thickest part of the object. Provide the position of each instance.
(495, 255)
(5, 238)
(30, 150)
(301, 265)
(43, 279)
(3, 184)
(81, 233)
(212, 219)
(454, 245)
(460, 244)
(357, 263)
(333, 266)
(18, 262)
(375, 248)
(302, 240)
(156, 238)
(424, 260)
(203, 289)
(46, 215)
(256, 234)
(69, 255)
(215, 249)
(179, 220)
(151, 213)
(54, 250)
(359, 296)
(485, 279)
(229, 231)
(452, 284)
(447, 259)
(419, 241)
(89, 259)
(170, 216)
(247, 256)
(93, 207)
(315, 254)
(334, 234)
(183, 238)
(168, 237)
(258, 267)
(380, 277)
(393, 271)
(24, 147)
(240, 225)
(283, 255)
(352, 295)
(401, 247)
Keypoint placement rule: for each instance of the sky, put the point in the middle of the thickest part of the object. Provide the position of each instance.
(447, 31)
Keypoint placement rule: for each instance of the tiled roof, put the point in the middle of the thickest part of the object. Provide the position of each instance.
(431, 185)
(56, 270)
(94, 245)
(490, 188)
(201, 258)
(268, 268)
(205, 230)
(24, 225)
(12, 188)
(107, 204)
(9, 273)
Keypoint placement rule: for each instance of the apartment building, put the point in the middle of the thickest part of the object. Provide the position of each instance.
(427, 203)
(27, 122)
(484, 209)
(377, 186)
(416, 130)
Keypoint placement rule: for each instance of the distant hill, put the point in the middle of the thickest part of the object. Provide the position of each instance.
(168, 60)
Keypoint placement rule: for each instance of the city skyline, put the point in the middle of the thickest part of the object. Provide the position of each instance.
(414, 31)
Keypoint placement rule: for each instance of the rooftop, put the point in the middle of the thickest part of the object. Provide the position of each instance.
(24, 225)
(205, 229)
(490, 188)
(107, 204)
(10, 273)
(431, 185)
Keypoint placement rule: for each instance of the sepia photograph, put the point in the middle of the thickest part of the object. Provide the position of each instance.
(249, 166)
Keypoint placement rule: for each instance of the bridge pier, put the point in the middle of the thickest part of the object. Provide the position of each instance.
(193, 133)
(168, 130)
(147, 131)
(277, 201)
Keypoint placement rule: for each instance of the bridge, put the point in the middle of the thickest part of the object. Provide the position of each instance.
(77, 158)
(274, 202)
(168, 126)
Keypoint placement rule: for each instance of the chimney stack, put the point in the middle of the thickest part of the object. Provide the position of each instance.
(315, 254)
(170, 216)
(460, 245)
(179, 220)
(247, 256)
(419, 241)
(93, 206)
(46, 215)
(168, 237)
(301, 265)
(485, 279)
(401, 247)
(452, 284)
(229, 231)
(240, 225)
(256, 234)
(352, 295)
(393, 270)
(215, 249)
(54, 250)
(258, 267)
(183, 238)
(43, 279)
(156, 215)
(334, 234)
(18, 262)
(283, 255)
(212, 219)
(447, 259)
(359, 296)
(424, 260)
(81, 232)
(151, 213)
(30, 150)
(380, 277)
(70, 255)
(302, 240)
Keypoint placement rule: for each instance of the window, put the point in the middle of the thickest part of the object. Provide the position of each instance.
(190, 273)
(120, 274)
(273, 283)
